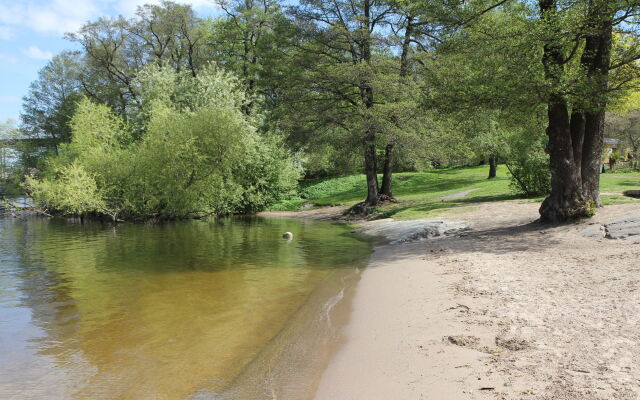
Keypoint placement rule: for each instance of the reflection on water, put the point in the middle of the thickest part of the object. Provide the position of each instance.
(156, 311)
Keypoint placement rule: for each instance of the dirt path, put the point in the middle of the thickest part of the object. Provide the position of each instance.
(324, 213)
(510, 310)
(459, 195)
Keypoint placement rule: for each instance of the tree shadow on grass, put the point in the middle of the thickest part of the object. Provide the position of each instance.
(389, 213)
(490, 198)
(633, 183)
(442, 204)
(425, 184)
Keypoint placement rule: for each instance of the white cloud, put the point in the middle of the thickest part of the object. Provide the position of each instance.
(36, 53)
(6, 33)
(8, 58)
(128, 7)
(62, 16)
(50, 16)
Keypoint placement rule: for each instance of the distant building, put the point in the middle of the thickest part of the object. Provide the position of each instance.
(611, 146)
(616, 146)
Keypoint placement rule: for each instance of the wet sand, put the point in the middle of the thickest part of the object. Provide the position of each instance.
(510, 310)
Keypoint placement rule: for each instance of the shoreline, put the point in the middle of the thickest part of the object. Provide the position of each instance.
(511, 309)
(393, 345)
(289, 365)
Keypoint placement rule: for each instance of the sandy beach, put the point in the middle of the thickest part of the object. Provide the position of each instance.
(508, 310)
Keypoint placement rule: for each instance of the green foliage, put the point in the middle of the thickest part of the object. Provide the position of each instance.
(198, 154)
(9, 160)
(530, 174)
(528, 163)
(71, 189)
(51, 101)
(439, 83)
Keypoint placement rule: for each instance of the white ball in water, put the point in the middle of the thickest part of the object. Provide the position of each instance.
(288, 235)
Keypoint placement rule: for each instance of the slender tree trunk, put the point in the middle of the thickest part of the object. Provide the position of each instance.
(387, 172)
(366, 94)
(370, 166)
(493, 166)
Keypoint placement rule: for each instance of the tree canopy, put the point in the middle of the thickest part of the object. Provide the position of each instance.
(319, 87)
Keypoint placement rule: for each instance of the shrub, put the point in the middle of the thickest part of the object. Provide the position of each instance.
(528, 163)
(194, 152)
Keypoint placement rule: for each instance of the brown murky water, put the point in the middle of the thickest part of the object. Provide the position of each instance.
(189, 310)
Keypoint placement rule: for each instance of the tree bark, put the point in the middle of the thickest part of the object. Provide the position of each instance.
(387, 172)
(576, 142)
(493, 166)
(566, 201)
(592, 155)
(596, 59)
(370, 166)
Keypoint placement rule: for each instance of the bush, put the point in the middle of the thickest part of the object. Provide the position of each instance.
(530, 174)
(70, 188)
(194, 152)
(528, 163)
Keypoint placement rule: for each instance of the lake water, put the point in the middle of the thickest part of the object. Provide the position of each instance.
(222, 309)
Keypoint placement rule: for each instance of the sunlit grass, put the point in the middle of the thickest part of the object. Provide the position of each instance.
(423, 194)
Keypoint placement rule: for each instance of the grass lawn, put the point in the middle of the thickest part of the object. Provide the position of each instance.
(422, 194)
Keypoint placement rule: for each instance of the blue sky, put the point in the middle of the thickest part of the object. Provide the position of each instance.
(31, 32)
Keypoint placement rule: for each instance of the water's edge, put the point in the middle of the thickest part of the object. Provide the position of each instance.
(289, 367)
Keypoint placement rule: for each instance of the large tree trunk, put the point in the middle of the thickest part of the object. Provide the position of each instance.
(575, 143)
(596, 59)
(493, 166)
(566, 200)
(387, 172)
(592, 156)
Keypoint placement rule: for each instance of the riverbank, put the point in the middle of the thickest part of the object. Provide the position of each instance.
(511, 309)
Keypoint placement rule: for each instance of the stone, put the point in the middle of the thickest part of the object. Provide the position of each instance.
(398, 232)
(632, 193)
(624, 228)
(595, 231)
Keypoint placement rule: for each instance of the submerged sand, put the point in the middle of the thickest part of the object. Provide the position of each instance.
(509, 310)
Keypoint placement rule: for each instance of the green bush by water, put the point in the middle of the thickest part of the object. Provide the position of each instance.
(190, 151)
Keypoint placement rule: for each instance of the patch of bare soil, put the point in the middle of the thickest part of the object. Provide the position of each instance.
(565, 309)
(324, 213)
(509, 310)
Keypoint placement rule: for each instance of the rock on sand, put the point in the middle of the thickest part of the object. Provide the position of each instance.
(410, 231)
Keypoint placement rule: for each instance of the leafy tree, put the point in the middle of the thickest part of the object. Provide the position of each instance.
(527, 161)
(52, 98)
(253, 40)
(116, 49)
(339, 45)
(581, 71)
(8, 131)
(218, 162)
